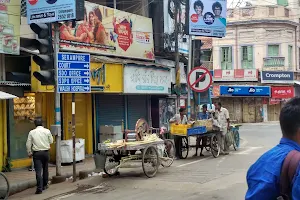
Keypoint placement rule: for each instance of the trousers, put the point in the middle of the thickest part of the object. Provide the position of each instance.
(222, 141)
(178, 144)
(41, 161)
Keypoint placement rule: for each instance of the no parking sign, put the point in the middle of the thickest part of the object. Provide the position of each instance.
(199, 79)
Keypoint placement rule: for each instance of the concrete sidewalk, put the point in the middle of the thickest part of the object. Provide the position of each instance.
(22, 179)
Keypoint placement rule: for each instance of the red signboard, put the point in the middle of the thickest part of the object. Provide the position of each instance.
(236, 75)
(283, 92)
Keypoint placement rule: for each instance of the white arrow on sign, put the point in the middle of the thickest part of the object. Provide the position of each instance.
(86, 73)
(199, 79)
(86, 80)
(86, 65)
(87, 88)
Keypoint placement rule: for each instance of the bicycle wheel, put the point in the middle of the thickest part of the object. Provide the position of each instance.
(111, 166)
(236, 139)
(215, 146)
(150, 161)
(4, 186)
(169, 154)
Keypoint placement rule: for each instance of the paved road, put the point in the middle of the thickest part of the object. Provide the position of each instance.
(206, 178)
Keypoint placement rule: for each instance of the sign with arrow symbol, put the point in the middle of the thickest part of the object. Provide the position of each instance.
(73, 73)
(199, 79)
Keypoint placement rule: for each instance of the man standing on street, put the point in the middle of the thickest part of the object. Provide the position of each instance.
(38, 145)
(179, 119)
(222, 115)
(276, 173)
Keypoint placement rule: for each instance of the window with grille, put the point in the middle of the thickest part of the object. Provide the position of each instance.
(247, 57)
(23, 8)
(226, 58)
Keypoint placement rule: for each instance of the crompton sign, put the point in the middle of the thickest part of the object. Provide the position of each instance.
(277, 77)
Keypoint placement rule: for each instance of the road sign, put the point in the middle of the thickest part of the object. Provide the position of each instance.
(73, 73)
(199, 79)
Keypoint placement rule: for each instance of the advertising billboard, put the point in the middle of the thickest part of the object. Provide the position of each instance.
(169, 27)
(107, 31)
(208, 18)
(47, 11)
(10, 27)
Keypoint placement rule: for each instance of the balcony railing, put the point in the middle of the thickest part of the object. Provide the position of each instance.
(274, 62)
(208, 64)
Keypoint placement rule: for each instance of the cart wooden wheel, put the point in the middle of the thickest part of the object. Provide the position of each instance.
(168, 154)
(215, 146)
(184, 147)
(150, 161)
(111, 166)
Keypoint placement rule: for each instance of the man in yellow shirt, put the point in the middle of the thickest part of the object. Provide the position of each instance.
(38, 145)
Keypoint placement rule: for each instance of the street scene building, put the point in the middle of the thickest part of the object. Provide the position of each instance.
(260, 49)
(148, 77)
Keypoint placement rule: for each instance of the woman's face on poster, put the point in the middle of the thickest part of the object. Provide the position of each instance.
(91, 18)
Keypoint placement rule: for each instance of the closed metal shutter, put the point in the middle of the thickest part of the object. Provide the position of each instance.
(137, 108)
(110, 110)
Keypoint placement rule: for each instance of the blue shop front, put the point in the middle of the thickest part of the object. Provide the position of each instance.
(245, 102)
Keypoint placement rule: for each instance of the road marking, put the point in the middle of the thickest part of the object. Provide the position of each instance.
(247, 151)
(64, 197)
(190, 163)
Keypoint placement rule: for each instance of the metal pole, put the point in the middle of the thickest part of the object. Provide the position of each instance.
(177, 68)
(57, 101)
(73, 137)
(188, 71)
(115, 4)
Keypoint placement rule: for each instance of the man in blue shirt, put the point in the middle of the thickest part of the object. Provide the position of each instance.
(202, 116)
(263, 176)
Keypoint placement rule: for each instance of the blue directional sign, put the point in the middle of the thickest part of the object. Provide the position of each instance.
(73, 73)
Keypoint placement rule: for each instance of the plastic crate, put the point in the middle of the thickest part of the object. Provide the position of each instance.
(196, 130)
(180, 129)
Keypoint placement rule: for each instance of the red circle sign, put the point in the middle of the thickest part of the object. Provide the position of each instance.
(32, 2)
(199, 79)
(194, 18)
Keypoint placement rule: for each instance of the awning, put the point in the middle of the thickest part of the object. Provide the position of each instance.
(4, 95)
(114, 60)
(296, 82)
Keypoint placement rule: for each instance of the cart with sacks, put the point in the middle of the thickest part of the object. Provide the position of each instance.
(140, 147)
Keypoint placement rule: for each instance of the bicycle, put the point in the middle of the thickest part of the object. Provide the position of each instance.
(4, 186)
(234, 136)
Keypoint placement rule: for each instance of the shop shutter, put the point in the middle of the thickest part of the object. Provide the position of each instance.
(137, 108)
(110, 110)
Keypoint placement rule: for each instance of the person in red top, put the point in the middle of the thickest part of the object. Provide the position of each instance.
(66, 32)
(100, 35)
(87, 27)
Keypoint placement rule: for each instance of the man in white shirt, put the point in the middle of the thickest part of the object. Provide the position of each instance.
(38, 145)
(222, 115)
(179, 119)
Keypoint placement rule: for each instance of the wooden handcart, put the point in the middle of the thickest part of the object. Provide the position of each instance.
(150, 154)
(186, 131)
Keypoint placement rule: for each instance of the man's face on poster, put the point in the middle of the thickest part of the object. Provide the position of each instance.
(217, 11)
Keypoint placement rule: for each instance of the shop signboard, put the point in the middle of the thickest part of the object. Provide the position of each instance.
(145, 80)
(282, 92)
(245, 90)
(107, 31)
(10, 27)
(47, 11)
(235, 75)
(277, 77)
(208, 18)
